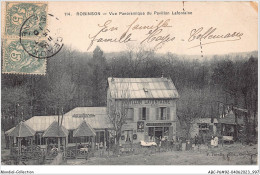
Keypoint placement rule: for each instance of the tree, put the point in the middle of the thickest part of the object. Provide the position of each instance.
(117, 106)
(60, 94)
(239, 82)
(15, 106)
(249, 90)
(193, 104)
(98, 77)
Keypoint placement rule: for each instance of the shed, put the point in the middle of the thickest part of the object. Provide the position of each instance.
(229, 125)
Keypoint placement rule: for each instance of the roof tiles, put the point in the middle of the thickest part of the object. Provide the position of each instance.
(135, 88)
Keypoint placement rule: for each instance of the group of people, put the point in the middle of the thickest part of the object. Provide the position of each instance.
(82, 146)
(199, 140)
(88, 145)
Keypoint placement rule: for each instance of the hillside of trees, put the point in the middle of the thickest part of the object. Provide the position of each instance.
(207, 85)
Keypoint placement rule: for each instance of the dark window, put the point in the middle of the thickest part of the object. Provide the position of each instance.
(39, 140)
(151, 134)
(100, 136)
(71, 139)
(163, 113)
(203, 128)
(144, 114)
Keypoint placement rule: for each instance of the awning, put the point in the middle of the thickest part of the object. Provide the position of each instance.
(54, 130)
(22, 130)
(83, 130)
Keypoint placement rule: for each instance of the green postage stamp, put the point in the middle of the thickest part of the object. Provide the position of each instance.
(16, 37)
(17, 60)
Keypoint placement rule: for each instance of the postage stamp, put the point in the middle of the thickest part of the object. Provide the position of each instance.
(28, 41)
(18, 12)
(17, 61)
(133, 83)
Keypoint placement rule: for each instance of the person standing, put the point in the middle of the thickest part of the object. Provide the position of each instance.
(196, 140)
(216, 141)
(212, 143)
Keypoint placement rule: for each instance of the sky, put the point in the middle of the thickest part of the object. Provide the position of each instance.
(236, 21)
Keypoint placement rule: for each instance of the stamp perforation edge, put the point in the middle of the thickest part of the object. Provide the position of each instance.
(6, 37)
(4, 41)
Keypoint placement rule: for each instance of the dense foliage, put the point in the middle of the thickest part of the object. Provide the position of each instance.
(206, 85)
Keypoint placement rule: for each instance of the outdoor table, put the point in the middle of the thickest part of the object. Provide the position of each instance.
(84, 150)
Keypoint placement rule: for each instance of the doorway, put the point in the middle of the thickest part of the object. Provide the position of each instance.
(158, 133)
(129, 136)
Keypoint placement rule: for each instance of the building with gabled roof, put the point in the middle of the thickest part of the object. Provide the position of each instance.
(151, 114)
(150, 104)
(95, 117)
(142, 88)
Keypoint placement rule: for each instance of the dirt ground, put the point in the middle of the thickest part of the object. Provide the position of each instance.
(233, 154)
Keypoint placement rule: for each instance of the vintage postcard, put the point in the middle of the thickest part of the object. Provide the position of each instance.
(129, 83)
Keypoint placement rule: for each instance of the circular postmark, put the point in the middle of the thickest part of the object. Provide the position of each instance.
(37, 39)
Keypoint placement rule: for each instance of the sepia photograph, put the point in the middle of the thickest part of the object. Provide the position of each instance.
(137, 84)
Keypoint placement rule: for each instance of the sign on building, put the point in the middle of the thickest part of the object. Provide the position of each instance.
(83, 115)
(140, 126)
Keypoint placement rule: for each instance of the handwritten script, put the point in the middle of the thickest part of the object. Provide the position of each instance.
(154, 33)
(157, 35)
(211, 36)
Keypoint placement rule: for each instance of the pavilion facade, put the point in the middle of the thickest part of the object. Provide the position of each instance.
(47, 130)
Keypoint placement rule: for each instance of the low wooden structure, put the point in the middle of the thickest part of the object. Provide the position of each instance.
(24, 151)
(84, 130)
(229, 126)
(59, 135)
(21, 131)
(88, 125)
